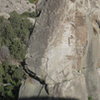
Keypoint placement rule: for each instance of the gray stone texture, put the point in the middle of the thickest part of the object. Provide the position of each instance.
(63, 48)
(63, 51)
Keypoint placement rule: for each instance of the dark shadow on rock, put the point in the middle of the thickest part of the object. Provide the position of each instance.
(47, 98)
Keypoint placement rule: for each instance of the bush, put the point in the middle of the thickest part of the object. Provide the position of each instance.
(17, 49)
(90, 98)
(15, 33)
(6, 32)
(22, 27)
(10, 80)
(31, 14)
(33, 1)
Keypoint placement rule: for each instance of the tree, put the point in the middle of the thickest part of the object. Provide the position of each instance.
(10, 80)
(6, 32)
(21, 25)
(17, 49)
(14, 35)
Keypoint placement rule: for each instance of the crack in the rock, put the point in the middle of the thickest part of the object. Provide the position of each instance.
(35, 76)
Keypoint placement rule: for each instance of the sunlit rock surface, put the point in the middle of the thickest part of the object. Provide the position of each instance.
(19, 6)
(59, 46)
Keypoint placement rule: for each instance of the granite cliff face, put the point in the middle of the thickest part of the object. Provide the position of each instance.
(63, 50)
(7, 6)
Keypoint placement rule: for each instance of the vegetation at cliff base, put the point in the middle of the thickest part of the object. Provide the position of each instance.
(10, 80)
(14, 36)
(90, 98)
(31, 14)
(14, 33)
(33, 1)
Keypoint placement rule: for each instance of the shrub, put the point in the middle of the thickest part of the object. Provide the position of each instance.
(22, 27)
(15, 33)
(33, 1)
(6, 32)
(17, 49)
(10, 80)
(90, 98)
(31, 14)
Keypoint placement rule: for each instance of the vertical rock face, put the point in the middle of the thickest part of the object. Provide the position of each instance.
(92, 78)
(60, 50)
(19, 6)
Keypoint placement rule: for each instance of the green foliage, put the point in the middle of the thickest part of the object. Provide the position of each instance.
(15, 33)
(33, 1)
(29, 14)
(90, 98)
(22, 27)
(10, 80)
(6, 32)
(17, 49)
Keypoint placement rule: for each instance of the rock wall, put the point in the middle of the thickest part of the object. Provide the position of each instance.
(20, 6)
(61, 50)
